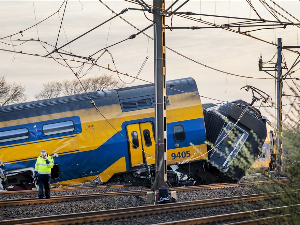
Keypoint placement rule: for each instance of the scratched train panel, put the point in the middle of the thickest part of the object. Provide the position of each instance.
(114, 142)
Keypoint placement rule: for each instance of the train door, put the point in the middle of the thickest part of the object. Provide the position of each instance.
(141, 142)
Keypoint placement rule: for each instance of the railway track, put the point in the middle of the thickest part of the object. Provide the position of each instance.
(60, 189)
(78, 197)
(66, 198)
(207, 186)
(134, 211)
(239, 215)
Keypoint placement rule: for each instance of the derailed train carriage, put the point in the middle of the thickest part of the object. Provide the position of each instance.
(116, 142)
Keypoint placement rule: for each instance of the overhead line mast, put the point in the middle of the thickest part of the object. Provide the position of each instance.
(160, 95)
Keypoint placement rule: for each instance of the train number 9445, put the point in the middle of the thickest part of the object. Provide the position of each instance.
(183, 154)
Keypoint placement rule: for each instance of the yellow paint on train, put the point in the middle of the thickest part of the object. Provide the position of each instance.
(187, 154)
(118, 167)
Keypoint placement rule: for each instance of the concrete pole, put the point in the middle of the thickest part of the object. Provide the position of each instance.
(160, 95)
(279, 105)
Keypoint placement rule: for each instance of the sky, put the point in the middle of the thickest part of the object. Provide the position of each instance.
(223, 50)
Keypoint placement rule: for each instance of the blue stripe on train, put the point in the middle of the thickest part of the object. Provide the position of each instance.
(36, 131)
(94, 162)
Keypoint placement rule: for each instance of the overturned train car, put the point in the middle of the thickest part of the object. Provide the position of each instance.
(116, 142)
(236, 132)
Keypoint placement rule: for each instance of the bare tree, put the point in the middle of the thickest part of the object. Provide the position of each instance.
(67, 87)
(50, 90)
(11, 93)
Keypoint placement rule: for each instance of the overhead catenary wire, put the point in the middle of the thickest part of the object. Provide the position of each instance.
(103, 67)
(229, 29)
(250, 4)
(225, 28)
(130, 37)
(37, 31)
(269, 9)
(285, 11)
(62, 19)
(227, 73)
(292, 104)
(202, 64)
(89, 58)
(22, 31)
(38, 40)
(201, 21)
(56, 49)
(275, 11)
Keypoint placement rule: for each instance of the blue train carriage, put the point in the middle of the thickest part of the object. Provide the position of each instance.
(114, 142)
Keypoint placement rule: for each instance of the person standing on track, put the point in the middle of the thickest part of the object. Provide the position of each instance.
(43, 166)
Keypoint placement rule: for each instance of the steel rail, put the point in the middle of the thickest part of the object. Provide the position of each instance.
(67, 198)
(61, 189)
(261, 221)
(187, 188)
(134, 211)
(239, 215)
(78, 197)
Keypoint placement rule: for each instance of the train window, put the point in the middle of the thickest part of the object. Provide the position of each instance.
(135, 139)
(147, 138)
(178, 133)
(14, 135)
(58, 128)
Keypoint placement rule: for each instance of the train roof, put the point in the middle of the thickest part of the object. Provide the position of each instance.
(126, 97)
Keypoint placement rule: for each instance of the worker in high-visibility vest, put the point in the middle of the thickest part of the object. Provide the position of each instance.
(43, 166)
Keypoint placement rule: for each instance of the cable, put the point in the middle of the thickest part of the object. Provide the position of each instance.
(64, 34)
(207, 23)
(250, 4)
(37, 31)
(56, 49)
(22, 31)
(141, 68)
(89, 58)
(13, 58)
(275, 11)
(268, 8)
(130, 37)
(221, 71)
(285, 11)
(93, 64)
(108, 33)
(53, 57)
(61, 23)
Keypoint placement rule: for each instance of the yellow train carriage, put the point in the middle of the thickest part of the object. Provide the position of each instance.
(116, 139)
